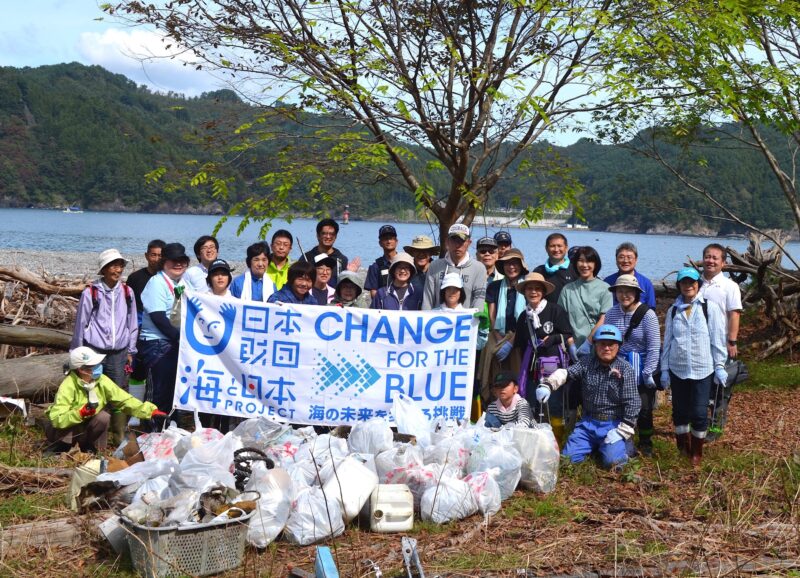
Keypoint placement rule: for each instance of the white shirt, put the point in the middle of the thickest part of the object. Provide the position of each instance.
(195, 277)
(724, 292)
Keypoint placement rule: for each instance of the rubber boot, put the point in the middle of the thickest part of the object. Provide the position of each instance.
(645, 445)
(557, 423)
(119, 422)
(683, 442)
(697, 450)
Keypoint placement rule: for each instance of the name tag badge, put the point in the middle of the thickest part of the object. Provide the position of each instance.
(384, 272)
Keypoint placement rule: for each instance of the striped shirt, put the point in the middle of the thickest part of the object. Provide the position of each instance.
(520, 415)
(609, 391)
(645, 339)
(694, 347)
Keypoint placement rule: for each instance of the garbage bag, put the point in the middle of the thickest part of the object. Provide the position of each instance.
(486, 492)
(449, 451)
(540, 457)
(259, 432)
(196, 439)
(161, 445)
(212, 461)
(322, 448)
(450, 499)
(400, 456)
(302, 473)
(139, 472)
(419, 478)
(370, 437)
(274, 506)
(153, 490)
(313, 518)
(496, 454)
(410, 419)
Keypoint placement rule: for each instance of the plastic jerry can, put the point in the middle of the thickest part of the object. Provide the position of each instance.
(391, 508)
(352, 484)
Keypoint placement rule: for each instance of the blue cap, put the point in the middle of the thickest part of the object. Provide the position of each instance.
(503, 237)
(688, 272)
(607, 332)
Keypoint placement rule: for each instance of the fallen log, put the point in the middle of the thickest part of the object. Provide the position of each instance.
(33, 479)
(36, 283)
(32, 377)
(64, 532)
(37, 336)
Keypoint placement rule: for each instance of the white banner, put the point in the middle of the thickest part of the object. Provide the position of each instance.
(321, 365)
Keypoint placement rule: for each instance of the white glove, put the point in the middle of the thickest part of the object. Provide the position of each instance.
(542, 393)
(649, 382)
(557, 378)
(504, 351)
(721, 377)
(665, 379)
(620, 433)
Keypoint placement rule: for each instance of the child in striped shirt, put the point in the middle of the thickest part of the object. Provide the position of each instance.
(509, 406)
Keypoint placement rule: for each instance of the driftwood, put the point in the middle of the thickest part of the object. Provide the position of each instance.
(64, 532)
(37, 336)
(32, 377)
(33, 479)
(38, 284)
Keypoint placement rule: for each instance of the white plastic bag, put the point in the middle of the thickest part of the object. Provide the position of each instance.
(210, 462)
(486, 492)
(399, 457)
(313, 518)
(496, 454)
(451, 499)
(139, 472)
(370, 437)
(410, 419)
(259, 432)
(274, 506)
(161, 445)
(540, 457)
(322, 448)
(418, 479)
(198, 438)
(449, 451)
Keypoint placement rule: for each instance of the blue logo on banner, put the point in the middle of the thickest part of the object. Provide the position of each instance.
(343, 374)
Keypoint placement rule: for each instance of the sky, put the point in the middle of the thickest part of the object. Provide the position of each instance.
(38, 32)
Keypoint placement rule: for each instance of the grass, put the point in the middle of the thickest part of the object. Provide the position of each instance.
(21, 508)
(778, 373)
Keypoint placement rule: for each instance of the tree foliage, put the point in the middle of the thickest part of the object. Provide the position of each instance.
(448, 94)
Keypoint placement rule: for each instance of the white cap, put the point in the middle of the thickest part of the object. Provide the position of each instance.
(109, 256)
(458, 230)
(452, 280)
(83, 355)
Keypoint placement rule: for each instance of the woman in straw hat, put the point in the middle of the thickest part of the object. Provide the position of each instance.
(542, 334)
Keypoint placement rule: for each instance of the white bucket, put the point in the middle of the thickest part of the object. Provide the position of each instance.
(391, 508)
(351, 484)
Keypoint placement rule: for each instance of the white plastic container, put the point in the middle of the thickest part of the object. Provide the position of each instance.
(351, 484)
(391, 508)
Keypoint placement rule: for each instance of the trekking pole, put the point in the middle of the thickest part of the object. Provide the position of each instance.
(302, 253)
(715, 406)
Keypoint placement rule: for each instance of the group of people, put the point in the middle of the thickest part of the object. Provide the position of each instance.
(552, 339)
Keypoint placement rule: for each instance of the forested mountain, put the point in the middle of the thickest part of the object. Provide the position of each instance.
(72, 134)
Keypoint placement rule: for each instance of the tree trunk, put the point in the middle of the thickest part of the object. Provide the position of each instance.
(36, 283)
(32, 377)
(37, 336)
(65, 532)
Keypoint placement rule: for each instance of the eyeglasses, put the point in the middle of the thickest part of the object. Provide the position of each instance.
(605, 344)
(327, 233)
(485, 250)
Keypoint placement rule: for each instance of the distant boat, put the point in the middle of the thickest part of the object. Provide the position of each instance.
(73, 209)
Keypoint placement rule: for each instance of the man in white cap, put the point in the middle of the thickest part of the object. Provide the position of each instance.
(106, 321)
(456, 260)
(78, 415)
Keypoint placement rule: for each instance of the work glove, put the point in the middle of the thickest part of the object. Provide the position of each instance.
(557, 378)
(620, 433)
(87, 412)
(543, 393)
(721, 377)
(573, 353)
(585, 349)
(665, 380)
(504, 351)
(157, 413)
(650, 382)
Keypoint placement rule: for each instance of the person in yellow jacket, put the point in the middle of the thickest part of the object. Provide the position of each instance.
(78, 415)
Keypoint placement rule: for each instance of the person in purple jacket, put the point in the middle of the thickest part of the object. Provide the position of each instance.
(106, 321)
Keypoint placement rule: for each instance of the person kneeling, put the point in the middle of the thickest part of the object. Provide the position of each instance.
(611, 401)
(78, 415)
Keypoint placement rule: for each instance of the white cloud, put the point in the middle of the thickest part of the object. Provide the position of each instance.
(145, 58)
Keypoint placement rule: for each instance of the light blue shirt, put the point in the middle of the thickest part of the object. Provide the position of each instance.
(694, 347)
(196, 278)
(157, 296)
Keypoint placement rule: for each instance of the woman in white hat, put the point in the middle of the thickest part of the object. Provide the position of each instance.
(452, 294)
(78, 415)
(107, 322)
(542, 335)
(400, 294)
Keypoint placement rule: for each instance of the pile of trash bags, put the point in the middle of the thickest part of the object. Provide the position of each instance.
(309, 486)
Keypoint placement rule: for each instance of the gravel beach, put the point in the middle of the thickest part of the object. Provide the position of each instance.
(73, 264)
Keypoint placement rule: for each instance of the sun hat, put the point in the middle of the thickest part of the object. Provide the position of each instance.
(458, 230)
(109, 256)
(688, 272)
(512, 254)
(174, 252)
(452, 280)
(421, 243)
(403, 258)
(626, 280)
(535, 278)
(81, 356)
(503, 237)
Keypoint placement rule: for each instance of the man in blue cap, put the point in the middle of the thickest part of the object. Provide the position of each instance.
(611, 401)
(378, 272)
(503, 240)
